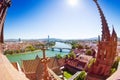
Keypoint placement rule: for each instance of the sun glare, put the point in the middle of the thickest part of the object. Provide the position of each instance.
(72, 2)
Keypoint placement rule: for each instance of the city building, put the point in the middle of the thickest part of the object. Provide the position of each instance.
(78, 64)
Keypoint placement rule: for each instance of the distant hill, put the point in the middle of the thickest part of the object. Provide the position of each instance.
(94, 38)
(52, 39)
(11, 40)
(44, 39)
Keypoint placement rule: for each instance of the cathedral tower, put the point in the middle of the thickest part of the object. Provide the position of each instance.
(106, 54)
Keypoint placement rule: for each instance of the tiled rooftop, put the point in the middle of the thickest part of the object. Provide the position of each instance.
(37, 67)
(30, 66)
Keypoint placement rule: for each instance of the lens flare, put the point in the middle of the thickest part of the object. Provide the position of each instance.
(73, 2)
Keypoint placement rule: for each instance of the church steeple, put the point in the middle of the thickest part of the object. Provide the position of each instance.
(114, 35)
(45, 60)
(106, 53)
(105, 29)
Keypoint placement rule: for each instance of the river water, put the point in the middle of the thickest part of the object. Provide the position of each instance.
(32, 55)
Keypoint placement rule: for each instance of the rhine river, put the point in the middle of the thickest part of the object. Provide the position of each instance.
(32, 55)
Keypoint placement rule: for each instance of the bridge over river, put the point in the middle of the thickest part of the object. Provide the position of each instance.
(61, 47)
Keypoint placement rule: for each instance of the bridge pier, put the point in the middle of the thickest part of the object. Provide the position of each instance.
(52, 49)
(60, 50)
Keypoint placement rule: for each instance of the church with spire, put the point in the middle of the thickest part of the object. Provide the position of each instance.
(106, 53)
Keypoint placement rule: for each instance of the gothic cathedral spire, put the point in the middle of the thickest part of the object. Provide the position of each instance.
(105, 29)
(106, 53)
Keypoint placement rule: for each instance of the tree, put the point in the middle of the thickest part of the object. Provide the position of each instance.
(16, 51)
(116, 63)
(80, 46)
(8, 52)
(74, 44)
(88, 52)
(38, 46)
(72, 55)
(58, 56)
(81, 76)
(91, 62)
(112, 70)
(30, 48)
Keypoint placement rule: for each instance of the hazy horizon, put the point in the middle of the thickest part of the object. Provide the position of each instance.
(94, 38)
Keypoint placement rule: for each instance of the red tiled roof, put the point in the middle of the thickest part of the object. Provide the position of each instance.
(53, 63)
(40, 72)
(84, 58)
(30, 66)
(37, 67)
(76, 63)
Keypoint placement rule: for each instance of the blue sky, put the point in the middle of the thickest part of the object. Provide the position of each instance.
(34, 19)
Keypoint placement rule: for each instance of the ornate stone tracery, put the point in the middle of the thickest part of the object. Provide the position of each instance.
(106, 51)
(4, 4)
